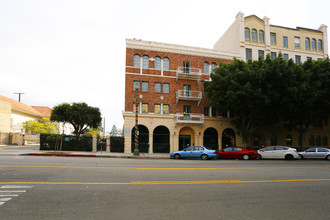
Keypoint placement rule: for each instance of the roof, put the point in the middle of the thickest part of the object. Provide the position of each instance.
(21, 107)
(44, 110)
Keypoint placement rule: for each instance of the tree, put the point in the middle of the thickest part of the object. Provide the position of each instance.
(80, 115)
(114, 131)
(40, 126)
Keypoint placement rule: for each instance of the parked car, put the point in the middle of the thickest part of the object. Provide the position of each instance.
(278, 152)
(237, 153)
(195, 152)
(316, 153)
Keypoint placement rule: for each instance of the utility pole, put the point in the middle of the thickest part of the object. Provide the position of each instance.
(19, 95)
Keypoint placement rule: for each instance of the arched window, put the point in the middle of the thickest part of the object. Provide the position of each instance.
(261, 36)
(157, 63)
(206, 68)
(288, 140)
(325, 141)
(311, 140)
(320, 45)
(273, 139)
(166, 63)
(145, 63)
(247, 33)
(213, 66)
(307, 43)
(318, 141)
(313, 44)
(254, 35)
(137, 60)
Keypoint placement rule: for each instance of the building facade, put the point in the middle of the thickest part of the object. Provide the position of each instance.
(172, 109)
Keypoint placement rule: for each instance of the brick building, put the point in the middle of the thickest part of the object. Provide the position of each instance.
(173, 111)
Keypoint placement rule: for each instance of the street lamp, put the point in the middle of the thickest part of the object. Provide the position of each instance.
(136, 149)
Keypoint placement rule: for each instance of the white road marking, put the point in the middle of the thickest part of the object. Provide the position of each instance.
(15, 187)
(4, 199)
(13, 191)
(1, 203)
(7, 192)
(7, 195)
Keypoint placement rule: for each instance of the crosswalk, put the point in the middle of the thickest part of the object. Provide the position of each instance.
(7, 192)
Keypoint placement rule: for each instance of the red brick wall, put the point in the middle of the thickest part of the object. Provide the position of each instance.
(176, 60)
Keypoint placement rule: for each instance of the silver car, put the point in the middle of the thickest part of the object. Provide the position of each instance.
(278, 152)
(315, 153)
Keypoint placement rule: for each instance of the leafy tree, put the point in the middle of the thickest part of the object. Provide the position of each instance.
(40, 126)
(94, 131)
(114, 131)
(80, 115)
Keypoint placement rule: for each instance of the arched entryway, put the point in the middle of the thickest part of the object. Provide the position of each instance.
(186, 137)
(143, 139)
(161, 140)
(210, 138)
(228, 138)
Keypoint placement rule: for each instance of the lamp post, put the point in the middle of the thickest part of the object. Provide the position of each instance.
(136, 149)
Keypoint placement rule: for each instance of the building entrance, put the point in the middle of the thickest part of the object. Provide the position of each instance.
(184, 141)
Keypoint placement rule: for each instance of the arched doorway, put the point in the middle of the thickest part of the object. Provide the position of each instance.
(143, 139)
(210, 139)
(228, 138)
(161, 140)
(186, 137)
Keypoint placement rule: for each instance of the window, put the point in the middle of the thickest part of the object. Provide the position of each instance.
(145, 63)
(288, 140)
(247, 33)
(158, 87)
(186, 67)
(166, 109)
(261, 36)
(286, 56)
(157, 63)
(273, 139)
(320, 45)
(318, 140)
(166, 63)
(166, 88)
(311, 140)
(186, 90)
(311, 149)
(297, 59)
(136, 85)
(145, 107)
(297, 42)
(307, 43)
(261, 54)
(134, 106)
(322, 150)
(325, 141)
(214, 112)
(254, 35)
(206, 68)
(313, 44)
(213, 66)
(248, 52)
(157, 109)
(273, 38)
(272, 55)
(145, 86)
(285, 42)
(207, 111)
(137, 60)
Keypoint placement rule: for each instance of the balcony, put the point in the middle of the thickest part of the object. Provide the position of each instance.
(188, 73)
(188, 95)
(189, 118)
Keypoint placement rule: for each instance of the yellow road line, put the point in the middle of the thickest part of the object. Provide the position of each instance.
(168, 168)
(170, 182)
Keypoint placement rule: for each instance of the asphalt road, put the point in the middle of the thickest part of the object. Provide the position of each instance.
(113, 188)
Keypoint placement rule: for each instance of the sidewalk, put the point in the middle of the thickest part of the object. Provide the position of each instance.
(27, 150)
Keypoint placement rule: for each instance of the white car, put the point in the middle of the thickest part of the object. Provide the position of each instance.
(315, 153)
(278, 152)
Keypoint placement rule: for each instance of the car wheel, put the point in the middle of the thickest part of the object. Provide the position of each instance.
(259, 157)
(327, 157)
(245, 157)
(204, 157)
(300, 157)
(288, 157)
(177, 156)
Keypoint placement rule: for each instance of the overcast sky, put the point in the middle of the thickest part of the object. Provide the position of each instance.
(59, 51)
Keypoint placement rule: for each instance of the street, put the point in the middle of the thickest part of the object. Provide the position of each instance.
(34, 187)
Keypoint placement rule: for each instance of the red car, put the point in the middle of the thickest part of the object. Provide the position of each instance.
(237, 153)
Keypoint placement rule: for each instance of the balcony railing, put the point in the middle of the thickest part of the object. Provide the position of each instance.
(188, 95)
(188, 73)
(189, 118)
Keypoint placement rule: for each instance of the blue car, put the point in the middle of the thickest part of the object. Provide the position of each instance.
(195, 152)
